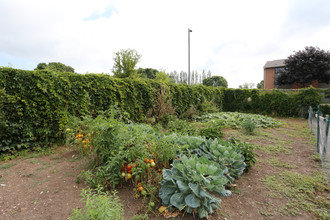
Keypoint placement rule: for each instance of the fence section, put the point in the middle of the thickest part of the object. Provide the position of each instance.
(320, 125)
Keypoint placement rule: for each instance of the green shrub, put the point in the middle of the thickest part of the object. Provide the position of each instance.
(247, 150)
(99, 206)
(212, 131)
(181, 127)
(249, 126)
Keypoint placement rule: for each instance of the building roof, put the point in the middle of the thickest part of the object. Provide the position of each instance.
(274, 63)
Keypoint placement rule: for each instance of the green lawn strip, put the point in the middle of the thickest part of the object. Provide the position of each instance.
(304, 193)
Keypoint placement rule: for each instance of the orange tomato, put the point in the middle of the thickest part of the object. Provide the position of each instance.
(140, 188)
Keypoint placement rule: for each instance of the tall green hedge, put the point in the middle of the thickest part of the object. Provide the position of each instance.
(273, 103)
(35, 105)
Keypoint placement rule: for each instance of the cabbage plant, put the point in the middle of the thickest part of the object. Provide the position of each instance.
(188, 184)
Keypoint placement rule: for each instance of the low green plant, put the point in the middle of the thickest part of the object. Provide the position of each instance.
(236, 120)
(181, 127)
(187, 185)
(99, 206)
(225, 153)
(212, 131)
(247, 150)
(249, 126)
(140, 217)
(302, 191)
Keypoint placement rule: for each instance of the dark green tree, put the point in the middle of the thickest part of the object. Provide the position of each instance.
(55, 66)
(260, 85)
(41, 66)
(215, 81)
(305, 66)
(148, 73)
(125, 62)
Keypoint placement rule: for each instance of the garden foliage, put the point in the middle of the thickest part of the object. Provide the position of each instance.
(187, 185)
(237, 120)
(121, 152)
(35, 105)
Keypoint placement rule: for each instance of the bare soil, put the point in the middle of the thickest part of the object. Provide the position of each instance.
(46, 188)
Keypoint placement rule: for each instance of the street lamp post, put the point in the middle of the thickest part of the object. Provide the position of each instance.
(189, 55)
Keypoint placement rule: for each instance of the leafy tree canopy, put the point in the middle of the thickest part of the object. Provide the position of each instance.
(148, 73)
(125, 62)
(305, 66)
(55, 66)
(163, 77)
(260, 85)
(215, 81)
(246, 86)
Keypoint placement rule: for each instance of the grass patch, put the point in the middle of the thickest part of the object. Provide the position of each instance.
(7, 166)
(275, 149)
(304, 193)
(99, 205)
(276, 163)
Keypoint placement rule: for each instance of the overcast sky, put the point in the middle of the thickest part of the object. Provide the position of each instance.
(233, 39)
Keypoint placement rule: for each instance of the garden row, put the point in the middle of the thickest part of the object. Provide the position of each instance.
(179, 172)
(35, 105)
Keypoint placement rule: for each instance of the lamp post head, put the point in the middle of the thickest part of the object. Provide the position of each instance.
(189, 30)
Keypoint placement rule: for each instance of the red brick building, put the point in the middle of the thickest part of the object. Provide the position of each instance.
(272, 70)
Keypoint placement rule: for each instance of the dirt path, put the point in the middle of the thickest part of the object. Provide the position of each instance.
(40, 188)
(45, 187)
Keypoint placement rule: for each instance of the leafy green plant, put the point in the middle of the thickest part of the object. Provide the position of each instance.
(249, 126)
(181, 127)
(212, 131)
(225, 153)
(247, 150)
(187, 185)
(99, 205)
(236, 120)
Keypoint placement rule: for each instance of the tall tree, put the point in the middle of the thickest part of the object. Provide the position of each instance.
(125, 62)
(305, 66)
(260, 85)
(247, 86)
(148, 73)
(215, 81)
(55, 66)
(209, 74)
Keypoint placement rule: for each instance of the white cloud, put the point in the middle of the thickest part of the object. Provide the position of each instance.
(231, 38)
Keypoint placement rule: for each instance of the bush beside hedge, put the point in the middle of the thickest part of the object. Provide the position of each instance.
(35, 105)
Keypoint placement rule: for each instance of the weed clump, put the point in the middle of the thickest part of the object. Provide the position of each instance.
(249, 126)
